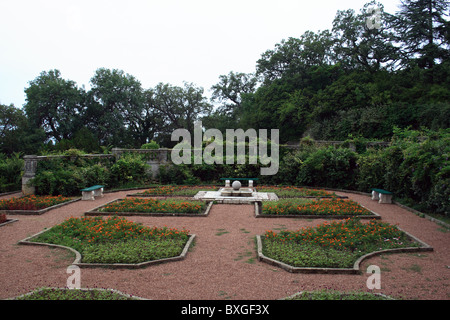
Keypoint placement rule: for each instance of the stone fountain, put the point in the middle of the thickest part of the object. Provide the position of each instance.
(235, 194)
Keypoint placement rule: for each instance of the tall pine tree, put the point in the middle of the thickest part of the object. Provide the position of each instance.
(423, 29)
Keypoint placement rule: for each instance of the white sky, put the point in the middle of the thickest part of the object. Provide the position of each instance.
(168, 41)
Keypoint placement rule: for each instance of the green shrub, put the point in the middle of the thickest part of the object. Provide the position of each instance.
(96, 174)
(176, 174)
(371, 170)
(10, 172)
(329, 167)
(64, 181)
(439, 199)
(129, 168)
(151, 145)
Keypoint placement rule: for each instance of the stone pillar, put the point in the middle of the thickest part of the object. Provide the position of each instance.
(116, 152)
(29, 173)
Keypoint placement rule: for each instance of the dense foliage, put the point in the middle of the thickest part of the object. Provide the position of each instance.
(414, 166)
(10, 172)
(68, 175)
(360, 78)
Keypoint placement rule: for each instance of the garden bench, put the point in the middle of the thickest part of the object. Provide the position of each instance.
(92, 192)
(250, 181)
(382, 196)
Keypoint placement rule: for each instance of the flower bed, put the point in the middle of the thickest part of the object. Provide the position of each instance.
(309, 208)
(296, 192)
(75, 294)
(115, 241)
(335, 246)
(151, 206)
(173, 191)
(33, 204)
(337, 295)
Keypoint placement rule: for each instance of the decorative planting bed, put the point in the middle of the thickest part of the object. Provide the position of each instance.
(336, 247)
(76, 294)
(297, 192)
(115, 242)
(310, 208)
(33, 205)
(337, 295)
(173, 191)
(152, 207)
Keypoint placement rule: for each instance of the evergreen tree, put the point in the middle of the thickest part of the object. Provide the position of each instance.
(423, 30)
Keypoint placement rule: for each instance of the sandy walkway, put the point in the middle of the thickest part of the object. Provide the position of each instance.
(223, 264)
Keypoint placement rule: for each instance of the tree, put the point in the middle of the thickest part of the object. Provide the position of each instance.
(293, 57)
(424, 32)
(178, 108)
(228, 93)
(229, 89)
(360, 46)
(116, 100)
(54, 104)
(16, 134)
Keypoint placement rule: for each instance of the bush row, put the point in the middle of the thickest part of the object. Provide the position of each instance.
(414, 167)
(67, 176)
(10, 172)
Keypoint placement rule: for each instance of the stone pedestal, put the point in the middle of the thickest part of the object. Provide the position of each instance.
(29, 173)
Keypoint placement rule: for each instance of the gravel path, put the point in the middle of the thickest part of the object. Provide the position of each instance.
(223, 264)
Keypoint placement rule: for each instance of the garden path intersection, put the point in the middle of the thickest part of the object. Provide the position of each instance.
(222, 264)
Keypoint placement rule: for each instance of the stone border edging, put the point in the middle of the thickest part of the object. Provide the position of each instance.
(95, 212)
(38, 212)
(356, 266)
(8, 221)
(421, 214)
(77, 261)
(258, 214)
(81, 289)
(9, 192)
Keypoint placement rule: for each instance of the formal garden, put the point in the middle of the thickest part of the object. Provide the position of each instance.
(307, 186)
(413, 166)
(362, 113)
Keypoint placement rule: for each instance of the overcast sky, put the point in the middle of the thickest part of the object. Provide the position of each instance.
(168, 41)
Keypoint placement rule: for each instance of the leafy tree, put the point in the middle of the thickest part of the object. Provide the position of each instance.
(228, 93)
(16, 133)
(54, 104)
(358, 46)
(229, 89)
(12, 122)
(177, 108)
(292, 57)
(115, 105)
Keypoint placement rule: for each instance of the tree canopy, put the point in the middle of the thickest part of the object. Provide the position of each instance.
(372, 72)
